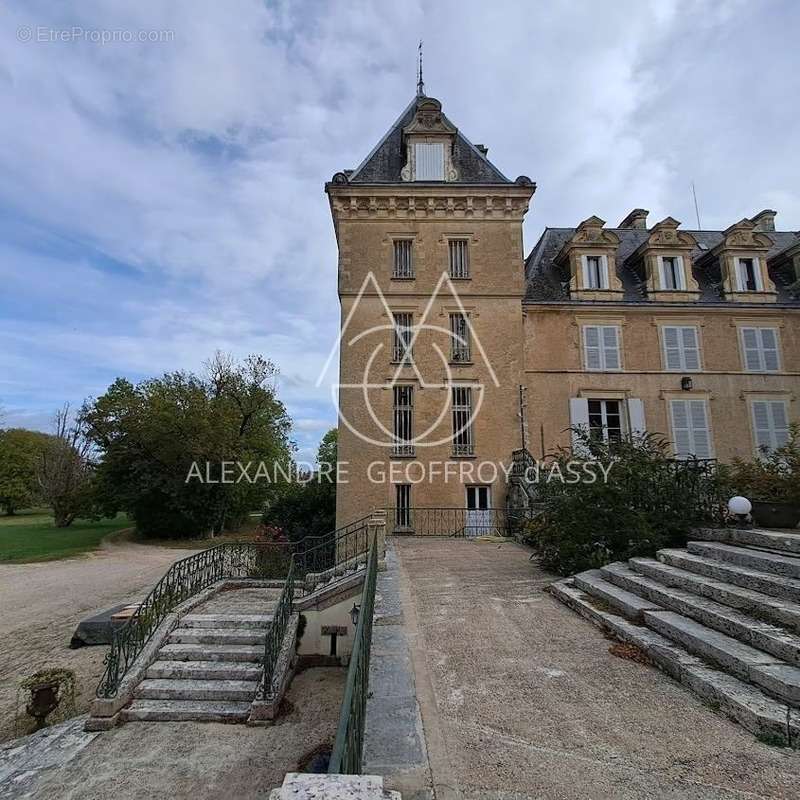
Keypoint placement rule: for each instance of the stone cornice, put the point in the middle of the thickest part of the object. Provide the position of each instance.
(429, 201)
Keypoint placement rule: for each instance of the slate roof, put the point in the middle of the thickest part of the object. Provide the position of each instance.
(384, 163)
(543, 278)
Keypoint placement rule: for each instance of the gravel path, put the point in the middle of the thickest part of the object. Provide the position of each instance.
(42, 603)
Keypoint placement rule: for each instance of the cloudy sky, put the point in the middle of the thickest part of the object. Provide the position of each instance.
(162, 200)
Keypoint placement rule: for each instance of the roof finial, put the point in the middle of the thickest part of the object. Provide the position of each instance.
(420, 82)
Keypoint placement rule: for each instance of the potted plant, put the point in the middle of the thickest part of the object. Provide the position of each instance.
(772, 483)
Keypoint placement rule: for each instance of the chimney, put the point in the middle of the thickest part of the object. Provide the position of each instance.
(482, 149)
(636, 219)
(764, 220)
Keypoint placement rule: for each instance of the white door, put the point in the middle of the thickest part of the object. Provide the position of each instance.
(479, 513)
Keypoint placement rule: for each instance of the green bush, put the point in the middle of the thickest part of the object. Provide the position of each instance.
(649, 501)
(773, 476)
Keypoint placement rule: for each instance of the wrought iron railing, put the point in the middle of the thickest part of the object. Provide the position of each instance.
(187, 577)
(348, 746)
(275, 633)
(447, 521)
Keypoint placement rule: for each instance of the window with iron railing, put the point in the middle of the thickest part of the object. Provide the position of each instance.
(403, 259)
(401, 346)
(403, 413)
(459, 339)
(459, 258)
(463, 441)
(402, 511)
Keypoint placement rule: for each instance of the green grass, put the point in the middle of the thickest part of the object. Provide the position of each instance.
(31, 536)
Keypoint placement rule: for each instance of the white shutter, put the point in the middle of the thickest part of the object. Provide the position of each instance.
(578, 418)
(585, 270)
(691, 349)
(672, 348)
(430, 161)
(604, 272)
(761, 425)
(680, 428)
(769, 349)
(636, 416)
(681, 273)
(741, 275)
(591, 346)
(770, 424)
(757, 274)
(751, 350)
(610, 347)
(780, 422)
(700, 432)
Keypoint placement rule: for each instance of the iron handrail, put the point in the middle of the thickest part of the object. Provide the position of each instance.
(273, 641)
(348, 746)
(447, 521)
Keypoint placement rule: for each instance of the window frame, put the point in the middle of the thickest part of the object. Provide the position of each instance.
(690, 428)
(601, 347)
(680, 327)
(457, 348)
(602, 272)
(402, 506)
(761, 350)
(741, 286)
(679, 272)
(403, 421)
(604, 427)
(402, 354)
(769, 401)
(429, 147)
(463, 436)
(410, 267)
(462, 243)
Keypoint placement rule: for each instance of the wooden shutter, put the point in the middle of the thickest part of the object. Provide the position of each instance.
(770, 424)
(578, 418)
(691, 349)
(636, 416)
(699, 429)
(591, 346)
(430, 162)
(672, 348)
(769, 349)
(610, 347)
(681, 434)
(751, 350)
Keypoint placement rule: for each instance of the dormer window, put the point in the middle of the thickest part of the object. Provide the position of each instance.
(671, 273)
(429, 158)
(748, 275)
(595, 272)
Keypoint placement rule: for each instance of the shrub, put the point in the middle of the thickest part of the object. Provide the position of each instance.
(773, 476)
(649, 501)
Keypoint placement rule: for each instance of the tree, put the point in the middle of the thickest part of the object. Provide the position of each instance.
(307, 507)
(65, 470)
(163, 443)
(20, 453)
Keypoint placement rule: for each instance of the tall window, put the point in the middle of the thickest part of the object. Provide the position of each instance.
(459, 258)
(402, 511)
(595, 272)
(459, 339)
(605, 419)
(403, 333)
(760, 349)
(770, 424)
(403, 259)
(429, 161)
(463, 443)
(681, 348)
(690, 431)
(403, 421)
(672, 272)
(748, 276)
(601, 348)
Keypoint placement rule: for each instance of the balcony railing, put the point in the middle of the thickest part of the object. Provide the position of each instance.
(450, 522)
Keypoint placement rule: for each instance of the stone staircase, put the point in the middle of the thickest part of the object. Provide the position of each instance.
(721, 616)
(209, 668)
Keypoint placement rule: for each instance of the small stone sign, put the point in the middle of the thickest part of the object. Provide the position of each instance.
(334, 630)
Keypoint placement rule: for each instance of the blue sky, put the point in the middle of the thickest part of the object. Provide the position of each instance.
(162, 200)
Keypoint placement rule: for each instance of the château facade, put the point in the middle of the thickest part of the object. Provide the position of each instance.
(456, 349)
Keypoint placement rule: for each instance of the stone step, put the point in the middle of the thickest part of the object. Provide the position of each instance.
(219, 636)
(761, 635)
(208, 652)
(631, 605)
(186, 710)
(740, 660)
(766, 583)
(205, 670)
(174, 689)
(754, 710)
(780, 541)
(226, 621)
(761, 560)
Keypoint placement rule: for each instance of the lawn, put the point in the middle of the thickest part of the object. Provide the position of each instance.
(31, 536)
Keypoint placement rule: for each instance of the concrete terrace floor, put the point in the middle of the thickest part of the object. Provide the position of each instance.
(520, 697)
